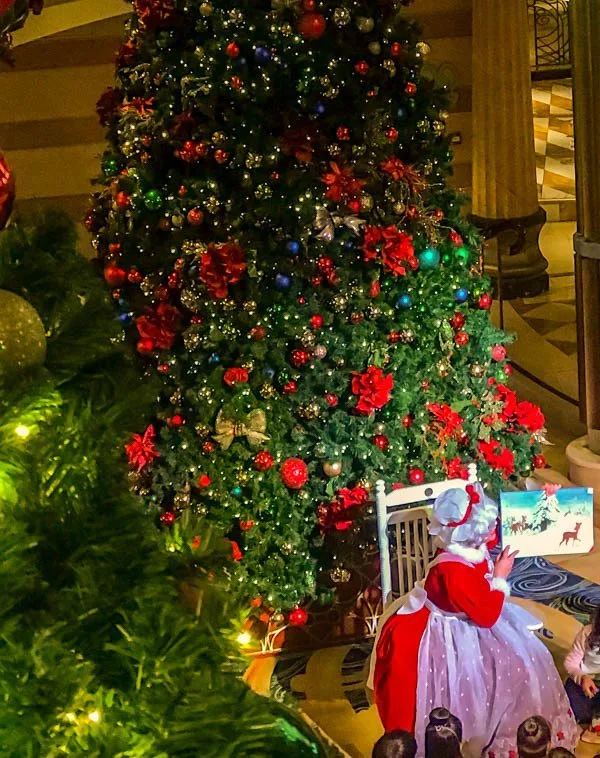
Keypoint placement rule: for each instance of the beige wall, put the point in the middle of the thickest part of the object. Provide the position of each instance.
(48, 126)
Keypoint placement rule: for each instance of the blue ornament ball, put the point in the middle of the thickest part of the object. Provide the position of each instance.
(214, 359)
(320, 109)
(269, 372)
(404, 302)
(429, 258)
(401, 112)
(349, 244)
(293, 247)
(237, 491)
(283, 282)
(262, 54)
(461, 295)
(125, 318)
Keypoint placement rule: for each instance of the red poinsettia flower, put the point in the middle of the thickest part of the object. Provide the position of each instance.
(236, 375)
(160, 325)
(498, 457)
(509, 398)
(373, 389)
(108, 105)
(456, 469)
(220, 266)
(342, 185)
(394, 247)
(400, 171)
(155, 14)
(143, 106)
(530, 416)
(449, 421)
(341, 513)
(141, 451)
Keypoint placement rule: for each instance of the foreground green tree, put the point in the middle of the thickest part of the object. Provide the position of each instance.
(276, 226)
(98, 656)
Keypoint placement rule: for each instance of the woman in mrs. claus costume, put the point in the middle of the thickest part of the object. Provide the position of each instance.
(455, 642)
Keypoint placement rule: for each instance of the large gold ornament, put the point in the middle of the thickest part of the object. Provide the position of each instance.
(22, 335)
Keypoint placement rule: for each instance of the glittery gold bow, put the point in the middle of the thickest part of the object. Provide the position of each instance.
(253, 429)
(282, 5)
(326, 223)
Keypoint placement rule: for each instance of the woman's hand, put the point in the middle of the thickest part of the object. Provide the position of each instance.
(588, 686)
(504, 563)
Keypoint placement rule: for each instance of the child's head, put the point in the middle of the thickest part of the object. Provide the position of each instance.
(464, 517)
(533, 738)
(593, 640)
(441, 742)
(396, 744)
(560, 752)
(443, 717)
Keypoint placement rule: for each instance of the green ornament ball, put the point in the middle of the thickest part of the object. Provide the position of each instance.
(22, 335)
(463, 255)
(110, 165)
(153, 200)
(429, 258)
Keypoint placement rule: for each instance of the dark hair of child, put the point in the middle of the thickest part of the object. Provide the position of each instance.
(533, 738)
(443, 717)
(396, 744)
(593, 640)
(560, 752)
(441, 742)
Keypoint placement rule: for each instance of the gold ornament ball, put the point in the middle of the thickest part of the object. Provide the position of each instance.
(206, 9)
(332, 468)
(478, 370)
(340, 575)
(443, 368)
(22, 335)
(365, 24)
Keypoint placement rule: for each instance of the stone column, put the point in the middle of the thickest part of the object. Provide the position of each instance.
(505, 201)
(584, 18)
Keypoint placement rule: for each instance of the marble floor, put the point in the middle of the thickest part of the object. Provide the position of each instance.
(554, 142)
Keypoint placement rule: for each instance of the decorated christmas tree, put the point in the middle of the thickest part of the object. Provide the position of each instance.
(99, 656)
(275, 223)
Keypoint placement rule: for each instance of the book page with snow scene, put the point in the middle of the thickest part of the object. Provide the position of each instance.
(550, 521)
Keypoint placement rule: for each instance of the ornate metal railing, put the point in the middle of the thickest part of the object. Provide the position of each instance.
(549, 23)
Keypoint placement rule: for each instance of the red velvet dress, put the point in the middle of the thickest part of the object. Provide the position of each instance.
(456, 643)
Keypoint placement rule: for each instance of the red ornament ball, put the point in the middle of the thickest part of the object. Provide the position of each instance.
(236, 82)
(232, 49)
(134, 276)
(396, 50)
(294, 473)
(316, 281)
(204, 481)
(392, 134)
(175, 421)
(539, 461)
(317, 321)
(145, 346)
(461, 339)
(114, 275)
(508, 369)
(245, 526)
(208, 447)
(416, 476)
(309, 5)
(457, 321)
(498, 353)
(221, 156)
(163, 368)
(425, 384)
(393, 337)
(263, 461)
(325, 264)
(362, 67)
(299, 358)
(410, 89)
(332, 399)
(312, 25)
(381, 441)
(485, 301)
(343, 133)
(195, 217)
(355, 206)
(258, 333)
(455, 238)
(167, 518)
(290, 388)
(298, 617)
(407, 421)
(114, 248)
(123, 200)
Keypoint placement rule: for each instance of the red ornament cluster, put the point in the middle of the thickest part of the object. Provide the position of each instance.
(294, 473)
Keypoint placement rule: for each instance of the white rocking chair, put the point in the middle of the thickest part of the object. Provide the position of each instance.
(408, 509)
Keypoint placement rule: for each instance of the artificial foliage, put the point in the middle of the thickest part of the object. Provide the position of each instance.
(274, 221)
(99, 656)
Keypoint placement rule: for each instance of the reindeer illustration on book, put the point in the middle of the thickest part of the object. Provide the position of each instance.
(549, 521)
